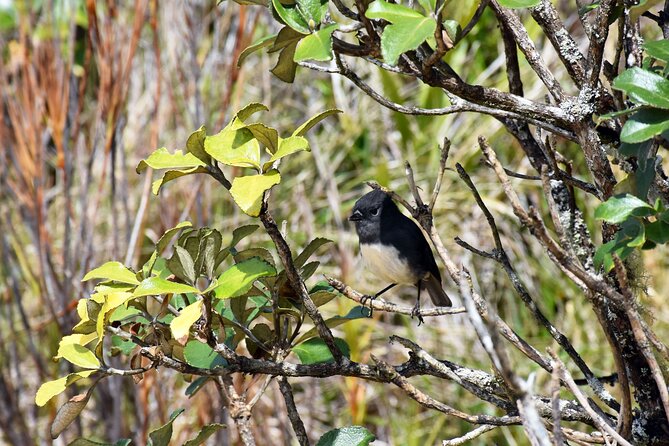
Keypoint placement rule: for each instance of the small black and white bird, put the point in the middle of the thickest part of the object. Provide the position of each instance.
(394, 248)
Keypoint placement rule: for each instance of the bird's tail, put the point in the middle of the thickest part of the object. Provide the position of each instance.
(437, 294)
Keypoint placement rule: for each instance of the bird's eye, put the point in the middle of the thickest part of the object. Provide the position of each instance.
(375, 212)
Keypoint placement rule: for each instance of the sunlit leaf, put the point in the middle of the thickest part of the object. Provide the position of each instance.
(50, 389)
(238, 279)
(76, 338)
(658, 49)
(291, 16)
(644, 125)
(157, 285)
(519, 3)
(311, 122)
(236, 147)
(644, 87)
(181, 324)
(163, 159)
(287, 147)
(408, 29)
(79, 355)
(316, 46)
(248, 191)
(618, 208)
(112, 271)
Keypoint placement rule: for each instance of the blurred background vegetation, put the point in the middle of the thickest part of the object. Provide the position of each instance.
(90, 88)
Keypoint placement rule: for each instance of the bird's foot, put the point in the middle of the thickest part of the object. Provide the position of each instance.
(364, 299)
(416, 312)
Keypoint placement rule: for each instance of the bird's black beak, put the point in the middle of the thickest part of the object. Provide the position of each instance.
(355, 216)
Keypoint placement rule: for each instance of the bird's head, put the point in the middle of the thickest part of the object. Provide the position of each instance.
(368, 210)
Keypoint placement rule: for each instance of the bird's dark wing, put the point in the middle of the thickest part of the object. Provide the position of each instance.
(405, 235)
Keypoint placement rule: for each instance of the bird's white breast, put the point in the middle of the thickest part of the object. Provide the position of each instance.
(385, 262)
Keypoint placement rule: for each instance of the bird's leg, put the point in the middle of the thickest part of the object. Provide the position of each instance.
(369, 298)
(416, 309)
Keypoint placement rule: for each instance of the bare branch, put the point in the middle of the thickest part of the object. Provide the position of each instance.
(293, 415)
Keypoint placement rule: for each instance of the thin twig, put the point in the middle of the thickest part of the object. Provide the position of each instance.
(293, 414)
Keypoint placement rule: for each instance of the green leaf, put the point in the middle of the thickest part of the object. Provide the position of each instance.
(245, 113)
(195, 145)
(180, 325)
(162, 159)
(644, 87)
(644, 125)
(268, 136)
(618, 208)
(658, 49)
(88, 442)
(347, 436)
(453, 29)
(163, 435)
(76, 338)
(69, 411)
(311, 122)
(238, 279)
(242, 232)
(287, 147)
(207, 431)
(157, 285)
(309, 250)
(234, 147)
(291, 16)
(50, 389)
(408, 30)
(515, 4)
(115, 271)
(167, 236)
(314, 351)
(182, 265)
(428, 5)
(657, 231)
(248, 191)
(258, 45)
(171, 175)
(286, 67)
(199, 354)
(79, 355)
(316, 46)
(313, 11)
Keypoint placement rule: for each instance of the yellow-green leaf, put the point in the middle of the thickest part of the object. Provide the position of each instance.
(234, 147)
(112, 271)
(287, 147)
(173, 175)
(77, 338)
(163, 159)
(157, 285)
(316, 46)
(79, 355)
(238, 279)
(311, 122)
(248, 191)
(181, 324)
(266, 135)
(50, 389)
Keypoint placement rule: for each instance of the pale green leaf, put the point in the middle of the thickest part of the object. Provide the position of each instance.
(76, 338)
(234, 147)
(260, 44)
(248, 191)
(171, 175)
(207, 431)
(115, 271)
(195, 145)
(287, 146)
(311, 122)
(79, 355)
(157, 285)
(163, 159)
(291, 16)
(515, 4)
(316, 46)
(268, 136)
(347, 436)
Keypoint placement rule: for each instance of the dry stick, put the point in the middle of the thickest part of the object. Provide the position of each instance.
(391, 375)
(488, 394)
(458, 104)
(445, 149)
(558, 435)
(239, 412)
(499, 255)
(295, 420)
(602, 425)
(469, 436)
(382, 305)
(518, 388)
